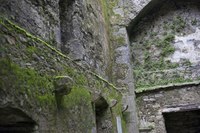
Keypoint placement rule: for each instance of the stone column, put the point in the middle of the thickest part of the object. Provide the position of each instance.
(122, 68)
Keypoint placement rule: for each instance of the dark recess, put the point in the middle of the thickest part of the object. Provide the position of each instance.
(182, 122)
(13, 120)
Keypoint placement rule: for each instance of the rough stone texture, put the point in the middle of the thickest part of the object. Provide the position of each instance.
(80, 29)
(187, 48)
(152, 105)
(96, 34)
(28, 66)
(165, 43)
(30, 88)
(84, 35)
(39, 17)
(150, 24)
(122, 68)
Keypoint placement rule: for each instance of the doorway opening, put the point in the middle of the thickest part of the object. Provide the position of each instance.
(101, 108)
(13, 120)
(182, 122)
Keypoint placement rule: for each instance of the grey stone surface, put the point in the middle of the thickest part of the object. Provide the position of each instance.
(78, 29)
(63, 85)
(154, 57)
(40, 18)
(172, 100)
(84, 36)
(95, 36)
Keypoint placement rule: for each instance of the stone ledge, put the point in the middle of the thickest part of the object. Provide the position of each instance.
(174, 85)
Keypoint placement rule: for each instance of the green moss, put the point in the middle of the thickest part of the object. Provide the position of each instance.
(39, 87)
(179, 83)
(124, 127)
(31, 49)
(178, 24)
(167, 51)
(194, 22)
(46, 99)
(147, 80)
(165, 45)
(3, 50)
(151, 63)
(186, 63)
(105, 10)
(153, 34)
(169, 38)
(27, 81)
(11, 26)
(78, 96)
(120, 40)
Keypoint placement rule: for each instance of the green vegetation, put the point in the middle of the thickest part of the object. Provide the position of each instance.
(79, 96)
(194, 22)
(153, 78)
(11, 26)
(166, 45)
(178, 24)
(43, 84)
(166, 48)
(78, 75)
(169, 85)
(31, 49)
(120, 40)
(154, 49)
(38, 83)
(26, 81)
(186, 63)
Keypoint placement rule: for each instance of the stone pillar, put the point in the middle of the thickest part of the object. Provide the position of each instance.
(122, 68)
(124, 78)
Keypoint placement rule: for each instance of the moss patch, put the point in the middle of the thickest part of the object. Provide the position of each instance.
(77, 97)
(26, 81)
(152, 50)
(35, 78)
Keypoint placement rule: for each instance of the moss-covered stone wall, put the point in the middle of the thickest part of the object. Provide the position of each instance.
(160, 55)
(29, 66)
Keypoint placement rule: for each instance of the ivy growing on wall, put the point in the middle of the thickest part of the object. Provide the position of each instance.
(152, 47)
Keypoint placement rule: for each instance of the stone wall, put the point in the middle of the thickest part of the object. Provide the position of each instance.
(111, 38)
(84, 34)
(75, 27)
(164, 45)
(152, 105)
(39, 17)
(30, 42)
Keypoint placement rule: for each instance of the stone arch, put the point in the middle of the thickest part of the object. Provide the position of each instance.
(148, 9)
(101, 105)
(102, 113)
(14, 120)
(142, 13)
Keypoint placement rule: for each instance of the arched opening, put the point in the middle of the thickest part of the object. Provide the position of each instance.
(13, 120)
(151, 7)
(183, 122)
(101, 113)
(101, 106)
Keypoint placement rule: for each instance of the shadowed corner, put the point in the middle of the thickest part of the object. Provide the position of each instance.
(14, 120)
